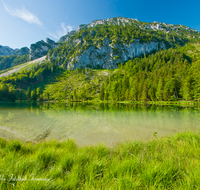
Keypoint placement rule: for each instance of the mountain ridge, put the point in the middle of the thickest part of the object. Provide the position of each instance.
(123, 20)
(122, 38)
(106, 43)
(6, 51)
(41, 48)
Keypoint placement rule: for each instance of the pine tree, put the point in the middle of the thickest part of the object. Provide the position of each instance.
(12, 96)
(75, 95)
(33, 95)
(145, 92)
(106, 95)
(4, 90)
(20, 95)
(38, 93)
(187, 89)
(159, 92)
(28, 94)
(101, 94)
(134, 90)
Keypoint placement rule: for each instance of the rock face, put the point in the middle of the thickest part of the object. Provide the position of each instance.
(51, 43)
(88, 50)
(109, 57)
(41, 48)
(67, 36)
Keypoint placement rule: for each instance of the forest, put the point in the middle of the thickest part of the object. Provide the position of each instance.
(168, 75)
(12, 60)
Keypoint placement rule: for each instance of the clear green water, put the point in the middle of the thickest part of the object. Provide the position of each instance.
(94, 124)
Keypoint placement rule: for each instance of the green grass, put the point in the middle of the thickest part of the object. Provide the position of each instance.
(164, 163)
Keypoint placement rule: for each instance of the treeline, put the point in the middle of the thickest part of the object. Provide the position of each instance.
(12, 60)
(13, 87)
(7, 93)
(167, 75)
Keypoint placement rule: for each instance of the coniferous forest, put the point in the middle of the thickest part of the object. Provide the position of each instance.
(169, 72)
(167, 75)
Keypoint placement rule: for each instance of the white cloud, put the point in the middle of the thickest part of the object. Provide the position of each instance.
(24, 14)
(62, 31)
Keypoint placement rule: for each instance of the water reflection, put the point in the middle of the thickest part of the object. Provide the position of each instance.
(94, 123)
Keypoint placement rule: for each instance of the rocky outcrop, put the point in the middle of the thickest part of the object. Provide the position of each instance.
(51, 43)
(109, 52)
(110, 56)
(66, 37)
(41, 48)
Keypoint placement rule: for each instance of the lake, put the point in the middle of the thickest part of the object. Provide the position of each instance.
(90, 124)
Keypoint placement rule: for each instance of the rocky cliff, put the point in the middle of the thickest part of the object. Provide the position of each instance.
(41, 48)
(37, 50)
(109, 57)
(107, 43)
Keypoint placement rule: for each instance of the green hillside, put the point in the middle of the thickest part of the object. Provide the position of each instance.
(12, 60)
(170, 72)
(119, 33)
(166, 75)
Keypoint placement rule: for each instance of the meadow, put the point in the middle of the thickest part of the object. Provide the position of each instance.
(170, 162)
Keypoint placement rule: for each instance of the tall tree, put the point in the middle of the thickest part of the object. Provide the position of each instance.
(28, 94)
(160, 88)
(101, 94)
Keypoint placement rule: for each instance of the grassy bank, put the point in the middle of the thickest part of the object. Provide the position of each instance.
(166, 163)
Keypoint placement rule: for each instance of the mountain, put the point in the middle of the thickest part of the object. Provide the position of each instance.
(11, 57)
(5, 51)
(22, 51)
(107, 43)
(116, 59)
(12, 60)
(37, 50)
(41, 48)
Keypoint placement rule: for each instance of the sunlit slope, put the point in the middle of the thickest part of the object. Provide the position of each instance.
(21, 67)
(107, 43)
(167, 75)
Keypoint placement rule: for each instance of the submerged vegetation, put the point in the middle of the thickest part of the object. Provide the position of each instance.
(163, 163)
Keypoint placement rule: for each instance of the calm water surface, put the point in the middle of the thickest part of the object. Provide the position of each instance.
(94, 124)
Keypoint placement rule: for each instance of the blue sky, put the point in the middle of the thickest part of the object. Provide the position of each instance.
(24, 22)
